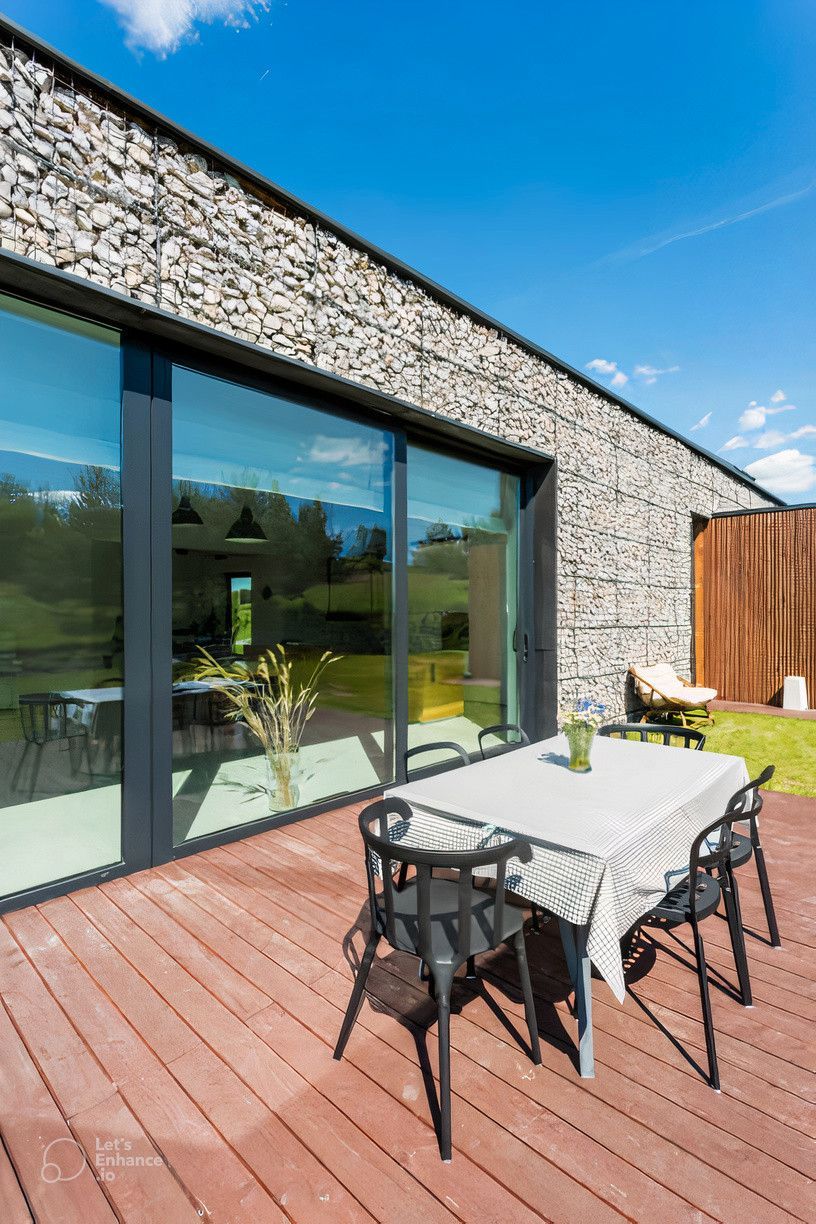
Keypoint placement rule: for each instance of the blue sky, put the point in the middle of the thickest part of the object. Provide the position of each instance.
(629, 184)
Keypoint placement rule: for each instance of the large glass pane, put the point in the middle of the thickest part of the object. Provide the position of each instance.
(61, 639)
(462, 597)
(282, 530)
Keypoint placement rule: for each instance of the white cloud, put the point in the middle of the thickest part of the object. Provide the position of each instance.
(651, 246)
(788, 471)
(752, 418)
(162, 25)
(778, 397)
(755, 414)
(734, 443)
(345, 452)
(774, 437)
(648, 374)
(769, 439)
(702, 423)
(651, 373)
(600, 365)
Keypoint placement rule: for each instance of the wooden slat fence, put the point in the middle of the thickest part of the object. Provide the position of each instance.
(756, 603)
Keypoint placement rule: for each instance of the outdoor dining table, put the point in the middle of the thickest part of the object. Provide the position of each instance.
(607, 845)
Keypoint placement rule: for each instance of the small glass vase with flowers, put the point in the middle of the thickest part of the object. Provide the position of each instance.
(579, 724)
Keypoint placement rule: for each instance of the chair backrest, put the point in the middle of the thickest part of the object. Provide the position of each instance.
(654, 733)
(43, 717)
(520, 737)
(377, 835)
(453, 749)
(744, 804)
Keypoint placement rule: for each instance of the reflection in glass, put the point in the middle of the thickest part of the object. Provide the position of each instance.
(293, 547)
(61, 629)
(462, 597)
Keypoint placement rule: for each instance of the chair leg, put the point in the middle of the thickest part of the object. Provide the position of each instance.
(35, 773)
(356, 995)
(705, 1000)
(733, 912)
(527, 992)
(19, 768)
(470, 971)
(767, 899)
(87, 746)
(443, 1004)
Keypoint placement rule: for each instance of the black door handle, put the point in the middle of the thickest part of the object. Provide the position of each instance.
(525, 644)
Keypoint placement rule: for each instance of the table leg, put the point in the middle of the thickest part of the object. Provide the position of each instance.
(574, 940)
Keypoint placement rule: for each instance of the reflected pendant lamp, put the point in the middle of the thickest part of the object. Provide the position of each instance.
(245, 530)
(185, 515)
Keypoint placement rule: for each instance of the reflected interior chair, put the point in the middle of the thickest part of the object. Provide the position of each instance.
(44, 719)
(515, 737)
(452, 750)
(653, 733)
(444, 922)
(211, 711)
(183, 721)
(697, 896)
(106, 729)
(666, 696)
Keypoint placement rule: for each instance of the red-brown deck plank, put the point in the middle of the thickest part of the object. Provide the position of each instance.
(13, 1205)
(143, 1190)
(190, 1011)
(49, 1163)
(73, 1075)
(586, 1155)
(783, 1142)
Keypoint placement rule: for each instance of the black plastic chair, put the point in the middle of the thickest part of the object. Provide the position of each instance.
(456, 750)
(507, 745)
(651, 733)
(743, 847)
(453, 749)
(444, 922)
(521, 740)
(697, 896)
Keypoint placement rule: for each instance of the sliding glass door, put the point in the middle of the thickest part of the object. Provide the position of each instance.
(281, 536)
(61, 615)
(290, 528)
(462, 557)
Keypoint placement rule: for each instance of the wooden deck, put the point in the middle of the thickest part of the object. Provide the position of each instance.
(165, 1055)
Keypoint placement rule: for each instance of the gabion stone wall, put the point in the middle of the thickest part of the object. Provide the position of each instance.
(86, 188)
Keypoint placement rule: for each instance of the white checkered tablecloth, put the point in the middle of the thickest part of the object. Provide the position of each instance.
(607, 845)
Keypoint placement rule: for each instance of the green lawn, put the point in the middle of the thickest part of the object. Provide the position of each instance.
(763, 739)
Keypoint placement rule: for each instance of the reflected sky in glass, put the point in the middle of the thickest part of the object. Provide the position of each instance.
(291, 449)
(55, 413)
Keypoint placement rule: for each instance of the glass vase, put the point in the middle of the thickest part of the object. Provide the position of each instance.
(282, 777)
(579, 737)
